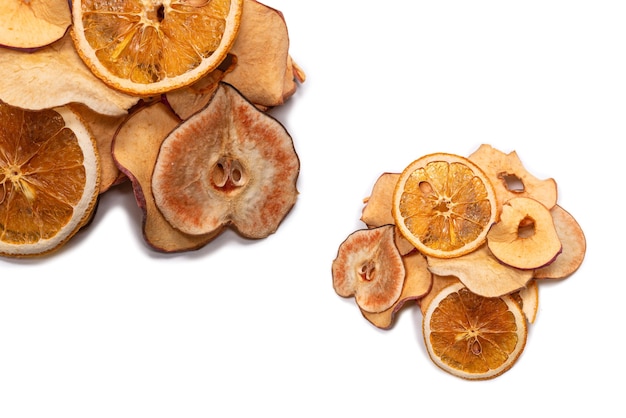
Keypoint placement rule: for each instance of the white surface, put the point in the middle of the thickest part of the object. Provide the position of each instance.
(110, 328)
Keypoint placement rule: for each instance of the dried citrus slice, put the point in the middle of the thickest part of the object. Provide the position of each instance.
(49, 179)
(148, 47)
(471, 336)
(444, 205)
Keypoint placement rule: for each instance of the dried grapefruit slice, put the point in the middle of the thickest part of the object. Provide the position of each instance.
(149, 47)
(444, 205)
(49, 179)
(471, 336)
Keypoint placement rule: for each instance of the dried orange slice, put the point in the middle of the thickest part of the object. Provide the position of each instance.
(471, 336)
(444, 205)
(49, 179)
(149, 47)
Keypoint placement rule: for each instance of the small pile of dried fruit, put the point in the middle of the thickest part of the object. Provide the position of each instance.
(468, 239)
(170, 95)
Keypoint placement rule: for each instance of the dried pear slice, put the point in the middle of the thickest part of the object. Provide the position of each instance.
(229, 164)
(55, 76)
(574, 247)
(525, 236)
(135, 149)
(378, 206)
(482, 273)
(510, 179)
(369, 267)
(262, 51)
(34, 23)
(417, 282)
(528, 298)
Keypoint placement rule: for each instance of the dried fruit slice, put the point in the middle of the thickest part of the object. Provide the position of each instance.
(378, 206)
(444, 205)
(49, 177)
(525, 236)
(135, 149)
(56, 76)
(417, 283)
(574, 246)
(369, 267)
(482, 273)
(150, 47)
(510, 179)
(33, 23)
(471, 336)
(528, 298)
(229, 164)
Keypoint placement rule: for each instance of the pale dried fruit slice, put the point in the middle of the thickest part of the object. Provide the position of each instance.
(370, 268)
(103, 129)
(510, 179)
(438, 284)
(417, 283)
(135, 149)
(574, 246)
(150, 47)
(378, 206)
(471, 336)
(482, 273)
(33, 23)
(528, 298)
(229, 164)
(49, 179)
(444, 205)
(525, 237)
(55, 76)
(262, 51)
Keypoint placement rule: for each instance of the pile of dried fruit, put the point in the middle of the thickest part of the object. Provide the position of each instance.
(169, 95)
(468, 239)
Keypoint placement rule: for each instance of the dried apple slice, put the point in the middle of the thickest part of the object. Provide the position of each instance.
(229, 164)
(378, 206)
(525, 237)
(510, 179)
(135, 149)
(34, 23)
(370, 268)
(55, 76)
(417, 283)
(262, 51)
(103, 128)
(574, 246)
(482, 273)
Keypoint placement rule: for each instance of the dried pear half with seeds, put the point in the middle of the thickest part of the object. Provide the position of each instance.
(227, 165)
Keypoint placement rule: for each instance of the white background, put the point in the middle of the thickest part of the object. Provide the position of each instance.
(109, 328)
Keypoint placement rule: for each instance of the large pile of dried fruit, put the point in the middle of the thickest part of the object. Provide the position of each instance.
(468, 239)
(169, 95)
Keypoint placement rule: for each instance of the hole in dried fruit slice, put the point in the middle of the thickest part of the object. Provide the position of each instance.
(444, 205)
(34, 23)
(513, 246)
(229, 164)
(471, 336)
(369, 267)
(152, 47)
(49, 179)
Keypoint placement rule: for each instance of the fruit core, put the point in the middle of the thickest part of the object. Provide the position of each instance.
(228, 175)
(366, 272)
(14, 174)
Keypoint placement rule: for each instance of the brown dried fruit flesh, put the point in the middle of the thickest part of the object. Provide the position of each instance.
(574, 247)
(377, 209)
(510, 179)
(417, 283)
(135, 150)
(370, 268)
(56, 76)
(482, 273)
(525, 237)
(228, 165)
(34, 23)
